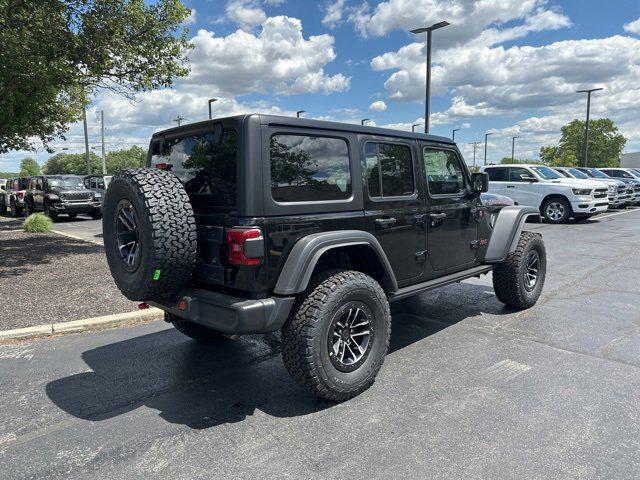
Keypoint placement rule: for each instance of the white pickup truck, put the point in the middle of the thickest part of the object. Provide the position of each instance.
(557, 197)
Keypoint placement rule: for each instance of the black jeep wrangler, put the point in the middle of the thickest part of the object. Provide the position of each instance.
(257, 223)
(61, 194)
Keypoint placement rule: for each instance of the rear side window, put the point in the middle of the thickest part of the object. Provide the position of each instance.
(207, 168)
(498, 174)
(445, 175)
(389, 170)
(307, 168)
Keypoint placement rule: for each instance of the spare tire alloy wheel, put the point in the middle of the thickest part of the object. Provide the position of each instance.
(128, 235)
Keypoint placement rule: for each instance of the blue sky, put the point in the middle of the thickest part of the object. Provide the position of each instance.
(509, 67)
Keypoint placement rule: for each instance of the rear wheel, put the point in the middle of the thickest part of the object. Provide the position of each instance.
(337, 335)
(556, 210)
(518, 282)
(193, 330)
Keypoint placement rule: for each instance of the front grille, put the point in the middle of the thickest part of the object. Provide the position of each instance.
(637, 188)
(75, 196)
(599, 193)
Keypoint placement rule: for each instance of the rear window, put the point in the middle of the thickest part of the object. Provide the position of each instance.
(205, 166)
(389, 170)
(307, 168)
(498, 174)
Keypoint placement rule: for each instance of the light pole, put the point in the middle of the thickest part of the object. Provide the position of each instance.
(364, 120)
(299, 112)
(413, 127)
(513, 148)
(475, 145)
(453, 133)
(427, 103)
(486, 135)
(211, 100)
(585, 148)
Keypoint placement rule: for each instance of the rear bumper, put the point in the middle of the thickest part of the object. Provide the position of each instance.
(228, 314)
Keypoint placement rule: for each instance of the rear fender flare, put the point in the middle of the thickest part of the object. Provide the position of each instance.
(506, 232)
(304, 256)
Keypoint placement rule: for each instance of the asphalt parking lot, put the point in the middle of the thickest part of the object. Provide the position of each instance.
(470, 389)
(82, 227)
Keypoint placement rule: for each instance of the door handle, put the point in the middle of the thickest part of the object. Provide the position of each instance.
(385, 222)
(437, 216)
(420, 218)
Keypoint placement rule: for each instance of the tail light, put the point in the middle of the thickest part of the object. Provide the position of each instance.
(162, 166)
(20, 195)
(244, 246)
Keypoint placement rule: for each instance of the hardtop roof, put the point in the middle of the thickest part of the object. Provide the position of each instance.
(308, 123)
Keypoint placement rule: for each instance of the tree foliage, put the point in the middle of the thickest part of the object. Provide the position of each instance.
(75, 163)
(507, 160)
(55, 53)
(605, 145)
(29, 167)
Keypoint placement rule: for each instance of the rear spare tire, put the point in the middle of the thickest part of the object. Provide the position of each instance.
(149, 233)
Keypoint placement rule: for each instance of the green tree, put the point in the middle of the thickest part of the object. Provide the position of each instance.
(507, 160)
(605, 145)
(71, 163)
(118, 160)
(29, 167)
(55, 53)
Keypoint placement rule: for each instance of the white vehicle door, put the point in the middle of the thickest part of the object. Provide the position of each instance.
(521, 188)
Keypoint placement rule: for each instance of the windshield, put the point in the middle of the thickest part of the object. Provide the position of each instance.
(204, 165)
(577, 173)
(546, 173)
(71, 182)
(594, 172)
(633, 172)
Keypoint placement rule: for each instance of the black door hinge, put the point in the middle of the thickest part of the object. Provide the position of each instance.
(421, 255)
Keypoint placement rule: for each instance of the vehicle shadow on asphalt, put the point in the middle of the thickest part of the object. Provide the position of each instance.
(202, 386)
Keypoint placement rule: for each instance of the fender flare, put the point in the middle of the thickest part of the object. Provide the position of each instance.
(506, 232)
(296, 273)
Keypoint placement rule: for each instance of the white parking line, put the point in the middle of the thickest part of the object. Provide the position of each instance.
(619, 213)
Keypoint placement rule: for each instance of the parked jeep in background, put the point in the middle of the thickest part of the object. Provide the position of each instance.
(98, 185)
(61, 194)
(14, 194)
(617, 190)
(254, 223)
(556, 197)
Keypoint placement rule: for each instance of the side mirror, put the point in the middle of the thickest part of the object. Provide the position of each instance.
(528, 178)
(479, 182)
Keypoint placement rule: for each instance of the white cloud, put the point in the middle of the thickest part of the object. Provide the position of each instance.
(246, 13)
(333, 12)
(378, 106)
(633, 27)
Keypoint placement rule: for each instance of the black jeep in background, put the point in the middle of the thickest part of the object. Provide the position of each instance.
(255, 223)
(61, 194)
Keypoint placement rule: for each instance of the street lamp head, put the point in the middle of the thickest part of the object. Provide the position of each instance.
(435, 26)
(299, 112)
(364, 120)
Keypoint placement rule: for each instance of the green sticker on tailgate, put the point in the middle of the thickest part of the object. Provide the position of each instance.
(156, 275)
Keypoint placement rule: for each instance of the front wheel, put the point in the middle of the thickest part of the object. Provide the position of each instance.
(337, 335)
(556, 210)
(519, 280)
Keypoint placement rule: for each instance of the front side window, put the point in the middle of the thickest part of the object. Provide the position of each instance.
(518, 174)
(307, 168)
(445, 175)
(389, 170)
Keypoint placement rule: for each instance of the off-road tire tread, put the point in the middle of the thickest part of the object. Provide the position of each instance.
(507, 276)
(173, 224)
(305, 322)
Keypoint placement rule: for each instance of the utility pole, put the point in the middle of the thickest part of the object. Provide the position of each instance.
(179, 119)
(475, 146)
(453, 133)
(585, 148)
(87, 155)
(427, 103)
(513, 148)
(486, 135)
(104, 159)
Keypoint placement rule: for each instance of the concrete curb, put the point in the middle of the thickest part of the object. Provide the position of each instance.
(76, 237)
(77, 326)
